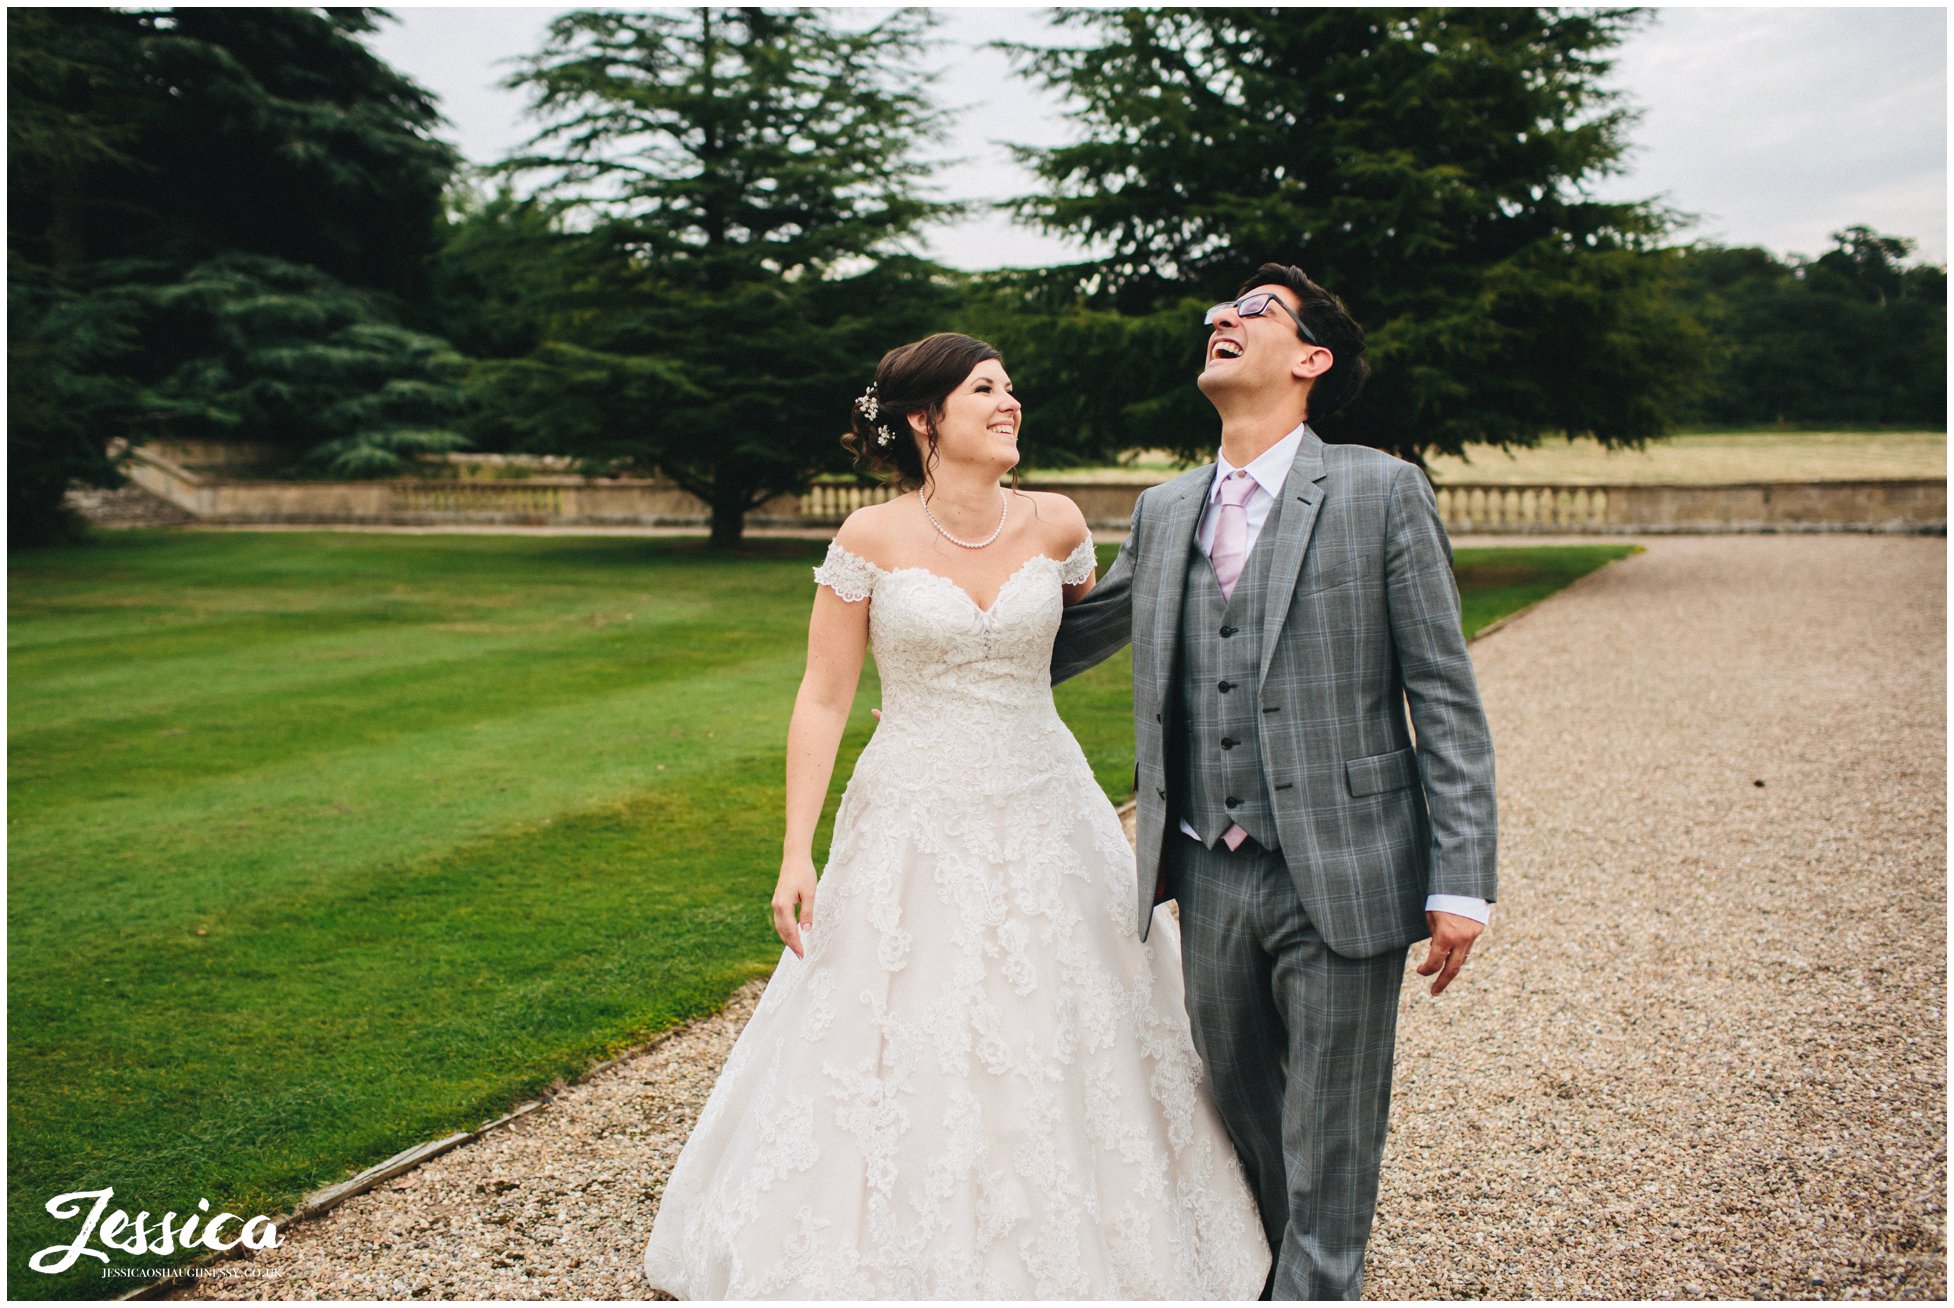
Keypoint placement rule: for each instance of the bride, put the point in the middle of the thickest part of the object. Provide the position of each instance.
(968, 1078)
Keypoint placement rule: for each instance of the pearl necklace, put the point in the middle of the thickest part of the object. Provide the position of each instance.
(969, 545)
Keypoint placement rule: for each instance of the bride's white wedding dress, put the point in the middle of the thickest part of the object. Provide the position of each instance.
(979, 1083)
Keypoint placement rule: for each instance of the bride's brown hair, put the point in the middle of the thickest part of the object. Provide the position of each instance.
(912, 377)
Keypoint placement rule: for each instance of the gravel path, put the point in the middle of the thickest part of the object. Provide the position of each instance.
(1702, 1049)
(1700, 1053)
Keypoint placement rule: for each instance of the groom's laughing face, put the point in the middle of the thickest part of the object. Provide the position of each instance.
(1250, 352)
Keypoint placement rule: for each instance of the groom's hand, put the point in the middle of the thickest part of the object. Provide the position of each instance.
(1452, 937)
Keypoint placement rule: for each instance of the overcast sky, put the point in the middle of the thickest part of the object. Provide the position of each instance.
(1776, 126)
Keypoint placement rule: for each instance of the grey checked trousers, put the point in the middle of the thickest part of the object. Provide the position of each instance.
(1297, 1045)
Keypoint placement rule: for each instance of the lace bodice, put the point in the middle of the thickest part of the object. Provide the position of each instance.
(939, 654)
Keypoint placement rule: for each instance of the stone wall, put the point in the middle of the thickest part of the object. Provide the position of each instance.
(1891, 505)
(193, 479)
(178, 474)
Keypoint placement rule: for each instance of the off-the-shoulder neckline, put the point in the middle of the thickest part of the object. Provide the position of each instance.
(1085, 544)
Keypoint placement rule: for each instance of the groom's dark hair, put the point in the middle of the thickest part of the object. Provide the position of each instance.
(1335, 330)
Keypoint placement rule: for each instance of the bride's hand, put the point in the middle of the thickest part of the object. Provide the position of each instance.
(793, 898)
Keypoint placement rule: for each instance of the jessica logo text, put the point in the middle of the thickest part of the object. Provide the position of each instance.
(132, 1235)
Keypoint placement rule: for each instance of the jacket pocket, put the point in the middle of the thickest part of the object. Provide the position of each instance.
(1333, 576)
(1381, 772)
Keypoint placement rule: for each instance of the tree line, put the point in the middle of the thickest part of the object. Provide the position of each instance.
(240, 223)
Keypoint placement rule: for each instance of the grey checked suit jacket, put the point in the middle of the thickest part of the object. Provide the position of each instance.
(1361, 621)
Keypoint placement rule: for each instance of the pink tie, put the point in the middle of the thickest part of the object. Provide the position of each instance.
(1230, 551)
(1230, 548)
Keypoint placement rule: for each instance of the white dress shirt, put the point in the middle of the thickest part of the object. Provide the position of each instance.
(1270, 470)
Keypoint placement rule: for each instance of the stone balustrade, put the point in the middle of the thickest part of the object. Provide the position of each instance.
(204, 486)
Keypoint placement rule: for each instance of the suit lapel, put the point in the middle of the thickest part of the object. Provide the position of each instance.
(1183, 520)
(1302, 495)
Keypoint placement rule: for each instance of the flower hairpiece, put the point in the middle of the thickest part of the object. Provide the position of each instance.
(871, 409)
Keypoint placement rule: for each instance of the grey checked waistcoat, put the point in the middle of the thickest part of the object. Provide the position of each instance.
(1221, 777)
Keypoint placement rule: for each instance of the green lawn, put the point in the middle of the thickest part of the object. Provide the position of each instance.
(325, 844)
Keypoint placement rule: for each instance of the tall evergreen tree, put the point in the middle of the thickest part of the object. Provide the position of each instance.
(743, 182)
(1431, 166)
(69, 117)
(219, 219)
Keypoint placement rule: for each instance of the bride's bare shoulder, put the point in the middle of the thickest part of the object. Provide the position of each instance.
(1065, 521)
(870, 532)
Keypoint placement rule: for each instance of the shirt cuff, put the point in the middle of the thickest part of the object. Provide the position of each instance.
(1464, 905)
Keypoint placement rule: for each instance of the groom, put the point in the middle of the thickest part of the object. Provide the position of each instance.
(1286, 604)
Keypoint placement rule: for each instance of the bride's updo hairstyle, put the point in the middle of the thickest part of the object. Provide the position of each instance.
(919, 375)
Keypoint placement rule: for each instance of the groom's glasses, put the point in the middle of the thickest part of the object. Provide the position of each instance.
(1254, 306)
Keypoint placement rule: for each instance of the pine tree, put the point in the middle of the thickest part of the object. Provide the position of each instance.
(734, 189)
(1429, 166)
(69, 118)
(219, 222)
